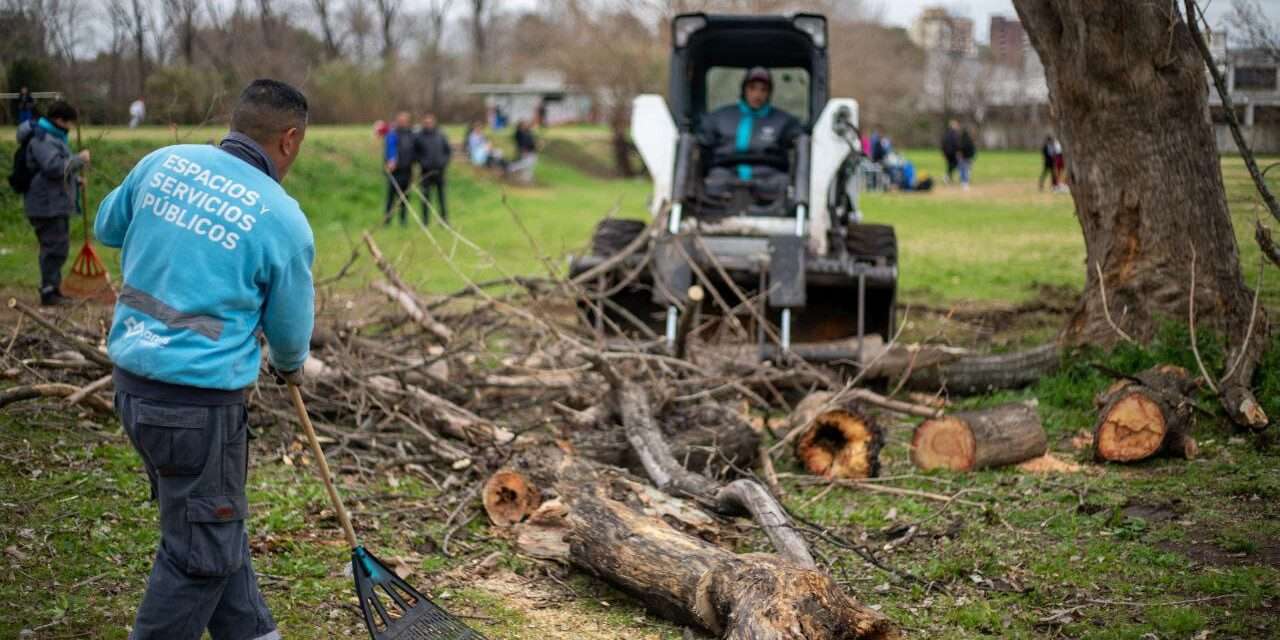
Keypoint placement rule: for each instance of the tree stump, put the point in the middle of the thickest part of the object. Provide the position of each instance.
(972, 440)
(837, 440)
(1146, 416)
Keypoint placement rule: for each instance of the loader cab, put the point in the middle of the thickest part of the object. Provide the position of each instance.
(711, 56)
(713, 52)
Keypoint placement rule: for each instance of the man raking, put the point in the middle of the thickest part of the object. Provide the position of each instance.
(213, 250)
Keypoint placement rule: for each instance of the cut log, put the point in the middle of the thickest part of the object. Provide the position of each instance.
(509, 498)
(835, 439)
(972, 440)
(1149, 415)
(598, 524)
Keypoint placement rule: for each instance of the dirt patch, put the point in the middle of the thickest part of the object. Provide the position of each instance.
(553, 614)
(1157, 512)
(1204, 553)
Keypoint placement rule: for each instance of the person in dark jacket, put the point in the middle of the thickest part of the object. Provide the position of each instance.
(751, 127)
(968, 151)
(1050, 161)
(431, 149)
(951, 148)
(24, 108)
(526, 143)
(398, 155)
(50, 199)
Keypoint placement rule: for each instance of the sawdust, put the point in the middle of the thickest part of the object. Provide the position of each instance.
(1048, 463)
(551, 614)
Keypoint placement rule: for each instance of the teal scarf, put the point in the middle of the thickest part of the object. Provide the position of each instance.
(745, 126)
(52, 129)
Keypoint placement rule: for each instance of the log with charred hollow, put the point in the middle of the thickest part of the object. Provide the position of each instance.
(972, 440)
(836, 439)
(1148, 415)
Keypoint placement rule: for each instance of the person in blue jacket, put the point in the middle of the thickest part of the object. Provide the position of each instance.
(213, 251)
(399, 156)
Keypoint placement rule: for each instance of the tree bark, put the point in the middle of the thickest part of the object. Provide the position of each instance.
(1147, 416)
(602, 523)
(972, 440)
(836, 440)
(1129, 96)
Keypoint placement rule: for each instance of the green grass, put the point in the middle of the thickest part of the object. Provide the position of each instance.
(1056, 556)
(1003, 241)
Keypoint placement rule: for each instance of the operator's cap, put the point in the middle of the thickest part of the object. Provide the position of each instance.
(758, 73)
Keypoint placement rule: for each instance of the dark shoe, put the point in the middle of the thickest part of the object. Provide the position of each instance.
(54, 299)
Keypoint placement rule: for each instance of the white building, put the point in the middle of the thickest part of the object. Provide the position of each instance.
(541, 95)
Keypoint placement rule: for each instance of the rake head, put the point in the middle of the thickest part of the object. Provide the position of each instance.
(88, 278)
(393, 610)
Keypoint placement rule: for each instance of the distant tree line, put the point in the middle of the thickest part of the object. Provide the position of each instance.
(360, 60)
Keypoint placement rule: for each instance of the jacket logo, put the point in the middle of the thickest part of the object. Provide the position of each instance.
(768, 134)
(134, 328)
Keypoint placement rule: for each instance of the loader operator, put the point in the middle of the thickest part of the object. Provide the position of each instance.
(749, 141)
(214, 251)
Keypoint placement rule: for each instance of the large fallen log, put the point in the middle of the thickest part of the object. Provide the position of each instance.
(835, 439)
(972, 440)
(598, 523)
(1148, 415)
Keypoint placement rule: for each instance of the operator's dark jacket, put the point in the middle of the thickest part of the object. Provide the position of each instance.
(431, 148)
(773, 133)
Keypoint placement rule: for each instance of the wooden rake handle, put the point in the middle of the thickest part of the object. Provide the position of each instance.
(296, 394)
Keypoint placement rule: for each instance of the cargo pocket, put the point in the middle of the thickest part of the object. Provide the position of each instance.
(217, 545)
(174, 438)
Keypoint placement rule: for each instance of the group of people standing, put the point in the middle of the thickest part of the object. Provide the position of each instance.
(959, 151)
(428, 148)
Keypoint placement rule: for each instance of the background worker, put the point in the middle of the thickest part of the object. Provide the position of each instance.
(24, 107)
(951, 149)
(432, 152)
(753, 127)
(185, 347)
(398, 155)
(49, 197)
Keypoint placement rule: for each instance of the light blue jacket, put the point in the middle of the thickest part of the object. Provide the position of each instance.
(213, 251)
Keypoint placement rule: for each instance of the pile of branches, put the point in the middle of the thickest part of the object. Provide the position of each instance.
(606, 453)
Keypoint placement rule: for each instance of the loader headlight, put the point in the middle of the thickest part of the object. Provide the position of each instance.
(686, 26)
(815, 26)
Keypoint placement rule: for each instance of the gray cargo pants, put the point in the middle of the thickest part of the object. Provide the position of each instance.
(197, 458)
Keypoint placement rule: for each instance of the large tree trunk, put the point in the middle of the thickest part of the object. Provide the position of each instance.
(1129, 96)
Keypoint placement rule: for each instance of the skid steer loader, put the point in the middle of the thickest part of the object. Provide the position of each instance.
(801, 270)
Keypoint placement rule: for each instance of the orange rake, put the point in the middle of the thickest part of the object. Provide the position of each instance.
(88, 279)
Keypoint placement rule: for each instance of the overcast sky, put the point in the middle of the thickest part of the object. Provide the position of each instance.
(902, 12)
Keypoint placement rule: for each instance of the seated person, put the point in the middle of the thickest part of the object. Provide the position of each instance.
(752, 126)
